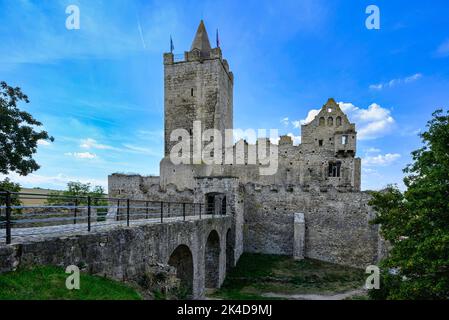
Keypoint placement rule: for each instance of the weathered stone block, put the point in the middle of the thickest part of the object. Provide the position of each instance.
(299, 237)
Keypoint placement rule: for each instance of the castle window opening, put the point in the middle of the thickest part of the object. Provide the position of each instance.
(320, 143)
(192, 92)
(334, 169)
(338, 121)
(330, 121)
(223, 206)
(344, 140)
(322, 121)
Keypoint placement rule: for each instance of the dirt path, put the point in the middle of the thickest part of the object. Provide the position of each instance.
(338, 296)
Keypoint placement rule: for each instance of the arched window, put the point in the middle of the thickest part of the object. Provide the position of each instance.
(338, 121)
(322, 121)
(330, 121)
(334, 169)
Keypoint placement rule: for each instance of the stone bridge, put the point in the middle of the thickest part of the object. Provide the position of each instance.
(201, 250)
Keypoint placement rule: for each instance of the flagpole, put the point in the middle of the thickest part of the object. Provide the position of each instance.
(218, 40)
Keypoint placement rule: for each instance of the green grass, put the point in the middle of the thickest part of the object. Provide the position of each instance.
(258, 273)
(48, 283)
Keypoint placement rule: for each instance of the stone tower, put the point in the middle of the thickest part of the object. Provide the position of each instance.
(199, 86)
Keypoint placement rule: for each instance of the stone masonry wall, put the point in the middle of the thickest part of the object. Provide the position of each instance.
(145, 188)
(337, 224)
(124, 254)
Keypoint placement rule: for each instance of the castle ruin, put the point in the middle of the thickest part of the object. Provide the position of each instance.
(312, 206)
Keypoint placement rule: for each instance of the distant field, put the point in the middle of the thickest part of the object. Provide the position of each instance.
(36, 200)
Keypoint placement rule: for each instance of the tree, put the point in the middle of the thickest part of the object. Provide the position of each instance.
(18, 136)
(416, 222)
(8, 185)
(77, 191)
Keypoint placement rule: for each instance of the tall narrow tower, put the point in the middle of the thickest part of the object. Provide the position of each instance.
(199, 86)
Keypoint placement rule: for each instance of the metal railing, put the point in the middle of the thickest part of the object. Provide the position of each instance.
(34, 214)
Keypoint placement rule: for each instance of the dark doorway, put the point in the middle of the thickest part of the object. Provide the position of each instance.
(212, 260)
(182, 260)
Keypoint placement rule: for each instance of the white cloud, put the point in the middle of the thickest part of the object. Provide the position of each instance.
(43, 143)
(376, 86)
(296, 139)
(412, 78)
(90, 143)
(81, 155)
(394, 82)
(443, 49)
(371, 123)
(372, 150)
(285, 121)
(380, 160)
(296, 124)
(310, 116)
(154, 136)
(142, 150)
(58, 181)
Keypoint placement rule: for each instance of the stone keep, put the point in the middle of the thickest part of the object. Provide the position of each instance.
(199, 87)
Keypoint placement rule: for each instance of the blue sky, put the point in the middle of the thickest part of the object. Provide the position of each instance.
(99, 90)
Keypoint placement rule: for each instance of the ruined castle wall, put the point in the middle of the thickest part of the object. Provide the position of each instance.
(337, 224)
(145, 188)
(295, 166)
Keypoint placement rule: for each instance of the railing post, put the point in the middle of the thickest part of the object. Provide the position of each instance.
(75, 212)
(88, 213)
(117, 216)
(162, 212)
(127, 212)
(146, 210)
(184, 211)
(8, 217)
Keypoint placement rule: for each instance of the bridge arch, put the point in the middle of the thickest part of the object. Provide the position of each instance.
(182, 259)
(212, 260)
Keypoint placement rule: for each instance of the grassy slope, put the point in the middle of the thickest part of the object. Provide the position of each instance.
(256, 274)
(48, 283)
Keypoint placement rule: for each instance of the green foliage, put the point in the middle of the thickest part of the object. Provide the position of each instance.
(416, 222)
(8, 185)
(256, 274)
(18, 137)
(48, 283)
(78, 192)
